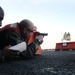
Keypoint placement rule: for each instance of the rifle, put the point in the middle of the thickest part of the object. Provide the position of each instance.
(44, 34)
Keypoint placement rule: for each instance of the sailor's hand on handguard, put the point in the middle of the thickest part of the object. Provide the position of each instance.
(40, 38)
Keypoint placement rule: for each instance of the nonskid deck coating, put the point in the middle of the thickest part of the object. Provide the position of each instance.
(49, 63)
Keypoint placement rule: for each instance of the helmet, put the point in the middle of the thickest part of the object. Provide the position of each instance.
(1, 13)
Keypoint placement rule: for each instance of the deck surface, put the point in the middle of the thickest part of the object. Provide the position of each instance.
(49, 63)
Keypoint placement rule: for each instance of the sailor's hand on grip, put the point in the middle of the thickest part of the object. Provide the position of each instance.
(40, 38)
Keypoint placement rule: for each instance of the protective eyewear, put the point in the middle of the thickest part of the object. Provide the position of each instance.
(30, 30)
(1, 18)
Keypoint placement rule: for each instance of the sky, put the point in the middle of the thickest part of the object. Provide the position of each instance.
(54, 17)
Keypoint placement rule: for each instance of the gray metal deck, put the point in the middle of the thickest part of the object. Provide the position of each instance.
(49, 63)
